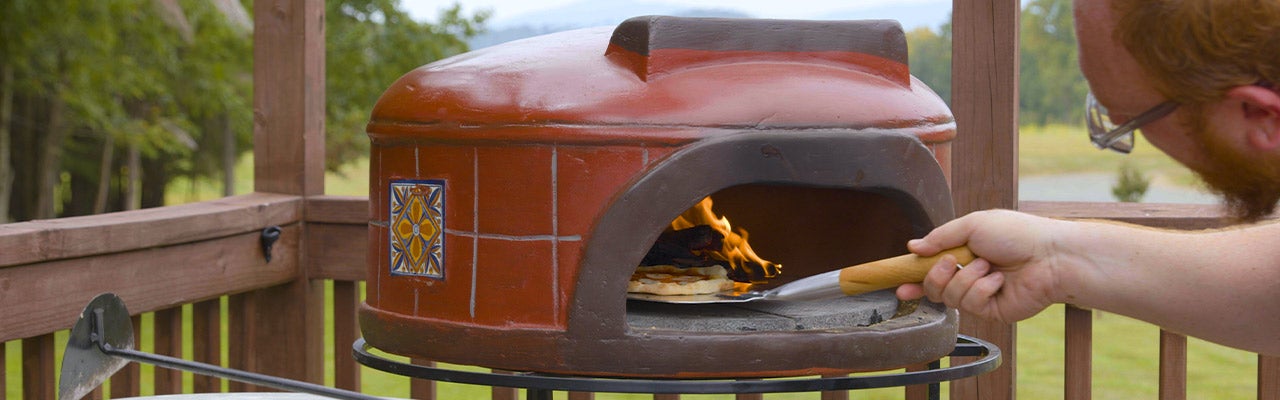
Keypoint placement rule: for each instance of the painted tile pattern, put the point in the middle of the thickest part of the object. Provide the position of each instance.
(417, 227)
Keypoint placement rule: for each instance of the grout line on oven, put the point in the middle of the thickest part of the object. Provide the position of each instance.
(475, 223)
(555, 234)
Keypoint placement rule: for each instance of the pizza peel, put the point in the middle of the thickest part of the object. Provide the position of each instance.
(848, 281)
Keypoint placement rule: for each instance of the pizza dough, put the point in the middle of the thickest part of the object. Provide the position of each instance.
(669, 280)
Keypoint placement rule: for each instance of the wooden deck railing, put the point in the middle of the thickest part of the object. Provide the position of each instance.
(1172, 346)
(160, 260)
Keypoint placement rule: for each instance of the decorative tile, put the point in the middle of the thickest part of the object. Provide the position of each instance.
(417, 227)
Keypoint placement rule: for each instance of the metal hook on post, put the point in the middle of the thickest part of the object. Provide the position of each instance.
(268, 239)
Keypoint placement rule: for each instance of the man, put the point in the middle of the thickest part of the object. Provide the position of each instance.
(1199, 77)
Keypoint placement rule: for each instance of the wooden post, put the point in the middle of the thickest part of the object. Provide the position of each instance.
(288, 134)
(1173, 366)
(1078, 372)
(167, 340)
(346, 372)
(422, 389)
(206, 335)
(127, 381)
(984, 98)
(37, 367)
(1268, 377)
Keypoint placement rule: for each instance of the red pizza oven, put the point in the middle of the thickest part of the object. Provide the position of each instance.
(515, 189)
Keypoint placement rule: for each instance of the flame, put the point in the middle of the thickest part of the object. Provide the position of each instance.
(735, 250)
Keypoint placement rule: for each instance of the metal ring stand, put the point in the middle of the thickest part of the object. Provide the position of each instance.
(540, 386)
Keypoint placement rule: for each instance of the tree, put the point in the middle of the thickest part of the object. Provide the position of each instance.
(1051, 88)
(101, 111)
(929, 54)
(370, 43)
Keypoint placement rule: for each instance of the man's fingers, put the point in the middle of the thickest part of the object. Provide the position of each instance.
(949, 235)
(939, 277)
(962, 282)
(910, 291)
(980, 295)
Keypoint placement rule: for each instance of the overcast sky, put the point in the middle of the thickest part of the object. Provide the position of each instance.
(503, 9)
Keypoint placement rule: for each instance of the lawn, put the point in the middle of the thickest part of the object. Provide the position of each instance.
(1125, 355)
(1062, 149)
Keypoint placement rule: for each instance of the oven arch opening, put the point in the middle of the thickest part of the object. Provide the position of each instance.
(891, 171)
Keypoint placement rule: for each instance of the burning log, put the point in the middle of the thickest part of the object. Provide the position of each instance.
(698, 238)
(685, 248)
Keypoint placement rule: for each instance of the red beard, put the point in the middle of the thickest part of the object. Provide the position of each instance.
(1249, 188)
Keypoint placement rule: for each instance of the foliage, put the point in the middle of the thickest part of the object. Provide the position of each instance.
(929, 54)
(1131, 184)
(370, 43)
(1051, 89)
(104, 103)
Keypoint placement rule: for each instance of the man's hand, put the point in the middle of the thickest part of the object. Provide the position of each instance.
(1014, 276)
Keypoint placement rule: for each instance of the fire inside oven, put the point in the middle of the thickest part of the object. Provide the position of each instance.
(764, 236)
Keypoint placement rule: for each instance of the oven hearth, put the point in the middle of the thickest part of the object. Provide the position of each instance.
(828, 314)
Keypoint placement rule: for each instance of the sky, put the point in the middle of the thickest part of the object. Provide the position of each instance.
(426, 10)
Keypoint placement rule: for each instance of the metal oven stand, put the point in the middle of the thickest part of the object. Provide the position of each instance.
(539, 386)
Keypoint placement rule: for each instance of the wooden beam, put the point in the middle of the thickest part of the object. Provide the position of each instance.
(984, 98)
(63, 238)
(288, 137)
(337, 252)
(1170, 216)
(337, 228)
(349, 210)
(288, 97)
(49, 296)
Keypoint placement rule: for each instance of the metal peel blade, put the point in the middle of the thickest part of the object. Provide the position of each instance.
(848, 281)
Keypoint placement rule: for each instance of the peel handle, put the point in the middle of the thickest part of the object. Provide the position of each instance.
(891, 272)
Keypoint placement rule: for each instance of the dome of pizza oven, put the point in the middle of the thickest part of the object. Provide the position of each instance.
(644, 79)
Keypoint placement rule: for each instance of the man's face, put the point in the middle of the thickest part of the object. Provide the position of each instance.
(1249, 188)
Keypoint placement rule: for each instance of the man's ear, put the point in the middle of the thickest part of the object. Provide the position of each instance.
(1259, 113)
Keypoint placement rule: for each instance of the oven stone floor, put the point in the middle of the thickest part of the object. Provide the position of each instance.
(836, 313)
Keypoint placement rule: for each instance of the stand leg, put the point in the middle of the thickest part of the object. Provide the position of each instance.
(537, 394)
(935, 389)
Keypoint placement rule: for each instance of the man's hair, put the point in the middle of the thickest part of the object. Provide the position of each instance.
(1196, 50)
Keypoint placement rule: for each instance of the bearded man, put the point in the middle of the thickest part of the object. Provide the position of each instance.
(1199, 77)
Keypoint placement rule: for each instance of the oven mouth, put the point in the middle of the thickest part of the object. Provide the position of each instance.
(808, 231)
(861, 195)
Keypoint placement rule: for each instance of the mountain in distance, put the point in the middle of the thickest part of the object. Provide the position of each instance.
(911, 16)
(590, 13)
(585, 14)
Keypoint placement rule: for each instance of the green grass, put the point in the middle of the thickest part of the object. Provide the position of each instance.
(1062, 149)
(1125, 354)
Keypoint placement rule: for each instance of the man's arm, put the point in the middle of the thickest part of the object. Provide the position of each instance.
(1222, 286)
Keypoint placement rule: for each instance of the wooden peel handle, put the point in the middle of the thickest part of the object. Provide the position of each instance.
(891, 272)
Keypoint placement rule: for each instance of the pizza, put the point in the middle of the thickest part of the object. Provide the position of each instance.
(669, 280)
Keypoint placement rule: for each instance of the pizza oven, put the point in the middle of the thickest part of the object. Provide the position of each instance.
(515, 189)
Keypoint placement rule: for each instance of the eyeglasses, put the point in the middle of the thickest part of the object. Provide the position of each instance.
(1106, 135)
